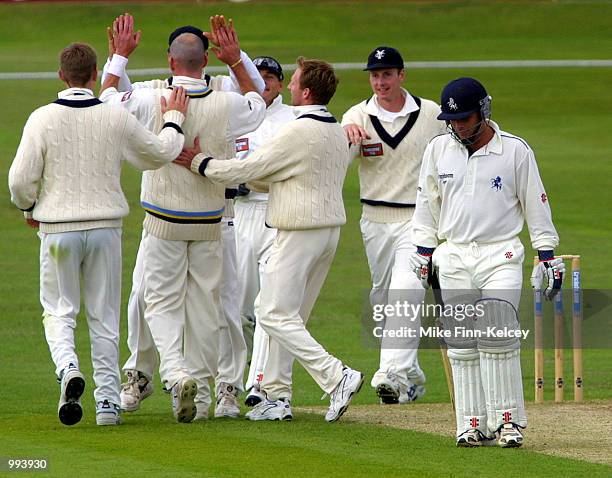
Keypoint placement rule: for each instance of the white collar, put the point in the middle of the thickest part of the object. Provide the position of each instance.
(494, 146)
(374, 109)
(76, 94)
(304, 109)
(276, 103)
(192, 85)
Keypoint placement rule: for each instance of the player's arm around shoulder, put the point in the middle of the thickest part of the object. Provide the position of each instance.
(145, 150)
(277, 160)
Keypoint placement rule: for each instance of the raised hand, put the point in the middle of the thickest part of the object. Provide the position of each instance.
(224, 39)
(111, 39)
(124, 39)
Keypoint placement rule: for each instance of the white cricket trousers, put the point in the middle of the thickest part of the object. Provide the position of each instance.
(95, 257)
(232, 347)
(487, 380)
(387, 247)
(292, 279)
(143, 353)
(253, 246)
(181, 281)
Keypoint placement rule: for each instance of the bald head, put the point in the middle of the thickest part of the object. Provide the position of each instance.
(187, 51)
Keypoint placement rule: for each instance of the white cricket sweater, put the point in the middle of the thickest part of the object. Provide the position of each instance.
(180, 205)
(390, 161)
(305, 163)
(483, 198)
(68, 165)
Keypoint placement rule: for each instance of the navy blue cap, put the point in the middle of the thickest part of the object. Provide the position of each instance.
(270, 64)
(384, 57)
(188, 29)
(462, 97)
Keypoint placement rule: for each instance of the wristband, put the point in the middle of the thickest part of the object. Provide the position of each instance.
(117, 65)
(236, 63)
(425, 251)
(546, 255)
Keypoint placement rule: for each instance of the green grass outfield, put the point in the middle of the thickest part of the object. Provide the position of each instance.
(560, 111)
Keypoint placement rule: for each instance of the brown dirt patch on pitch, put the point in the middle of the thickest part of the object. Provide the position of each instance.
(578, 431)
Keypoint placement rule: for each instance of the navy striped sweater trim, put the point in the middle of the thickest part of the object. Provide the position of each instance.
(78, 103)
(324, 119)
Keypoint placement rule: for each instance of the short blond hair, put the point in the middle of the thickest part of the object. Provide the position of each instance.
(78, 62)
(319, 77)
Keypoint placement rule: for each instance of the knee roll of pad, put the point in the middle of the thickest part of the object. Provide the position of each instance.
(497, 324)
(461, 333)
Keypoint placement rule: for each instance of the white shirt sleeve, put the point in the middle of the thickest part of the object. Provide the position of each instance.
(535, 205)
(428, 203)
(145, 150)
(27, 168)
(230, 83)
(124, 79)
(140, 102)
(246, 114)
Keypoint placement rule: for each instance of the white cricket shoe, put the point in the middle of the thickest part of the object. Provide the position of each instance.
(201, 416)
(411, 393)
(135, 390)
(341, 396)
(254, 397)
(510, 436)
(108, 413)
(72, 386)
(227, 402)
(271, 410)
(388, 389)
(183, 394)
(472, 438)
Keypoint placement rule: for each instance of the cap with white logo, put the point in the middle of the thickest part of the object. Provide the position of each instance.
(384, 57)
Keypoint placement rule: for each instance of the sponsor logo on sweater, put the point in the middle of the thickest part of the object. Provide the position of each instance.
(444, 177)
(375, 149)
(242, 144)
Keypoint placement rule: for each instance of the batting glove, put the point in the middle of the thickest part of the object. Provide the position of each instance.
(420, 262)
(548, 274)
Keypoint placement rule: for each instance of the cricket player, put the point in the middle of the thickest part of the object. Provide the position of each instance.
(305, 164)
(389, 132)
(142, 362)
(181, 241)
(66, 179)
(254, 237)
(478, 185)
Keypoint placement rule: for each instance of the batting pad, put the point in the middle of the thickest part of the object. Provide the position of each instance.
(503, 387)
(493, 316)
(470, 406)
